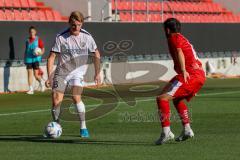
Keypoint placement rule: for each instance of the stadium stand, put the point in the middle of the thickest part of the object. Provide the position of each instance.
(28, 10)
(188, 11)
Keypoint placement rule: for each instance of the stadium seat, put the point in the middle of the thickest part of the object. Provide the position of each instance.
(42, 15)
(2, 15)
(9, 15)
(34, 15)
(32, 3)
(24, 3)
(49, 14)
(17, 4)
(17, 15)
(27, 10)
(26, 16)
(2, 4)
(40, 5)
(9, 3)
(193, 11)
(57, 16)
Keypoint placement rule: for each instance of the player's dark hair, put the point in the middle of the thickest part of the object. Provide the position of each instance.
(32, 27)
(173, 25)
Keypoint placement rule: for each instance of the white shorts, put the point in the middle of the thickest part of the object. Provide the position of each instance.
(60, 83)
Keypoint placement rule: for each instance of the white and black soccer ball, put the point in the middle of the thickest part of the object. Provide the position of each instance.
(38, 51)
(53, 130)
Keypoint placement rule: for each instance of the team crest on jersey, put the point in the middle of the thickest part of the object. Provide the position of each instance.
(82, 44)
(64, 47)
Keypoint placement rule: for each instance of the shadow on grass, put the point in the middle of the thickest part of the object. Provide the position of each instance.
(69, 140)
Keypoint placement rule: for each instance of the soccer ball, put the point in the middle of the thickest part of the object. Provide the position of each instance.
(38, 51)
(53, 130)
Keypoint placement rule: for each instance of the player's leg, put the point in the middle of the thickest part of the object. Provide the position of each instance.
(186, 91)
(38, 77)
(57, 98)
(164, 115)
(30, 78)
(58, 89)
(77, 88)
(183, 113)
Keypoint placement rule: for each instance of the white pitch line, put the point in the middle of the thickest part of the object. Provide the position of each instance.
(139, 100)
(218, 93)
(26, 112)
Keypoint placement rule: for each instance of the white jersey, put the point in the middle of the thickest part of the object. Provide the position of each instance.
(73, 53)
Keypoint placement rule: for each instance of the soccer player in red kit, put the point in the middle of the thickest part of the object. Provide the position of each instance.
(188, 81)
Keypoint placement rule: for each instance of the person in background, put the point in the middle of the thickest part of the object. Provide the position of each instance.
(33, 56)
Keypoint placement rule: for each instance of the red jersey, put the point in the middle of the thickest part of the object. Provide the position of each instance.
(192, 62)
(40, 42)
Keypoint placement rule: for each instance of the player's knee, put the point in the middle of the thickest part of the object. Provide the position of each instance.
(57, 99)
(76, 99)
(35, 74)
(163, 97)
(57, 102)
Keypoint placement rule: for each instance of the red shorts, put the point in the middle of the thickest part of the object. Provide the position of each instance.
(180, 89)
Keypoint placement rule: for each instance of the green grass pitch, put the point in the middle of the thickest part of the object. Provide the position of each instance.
(126, 132)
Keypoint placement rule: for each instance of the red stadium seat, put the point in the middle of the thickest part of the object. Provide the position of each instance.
(24, 3)
(155, 17)
(113, 5)
(17, 15)
(49, 15)
(57, 16)
(123, 16)
(2, 3)
(123, 6)
(40, 5)
(17, 4)
(153, 6)
(42, 15)
(9, 15)
(32, 3)
(9, 3)
(34, 15)
(26, 15)
(2, 15)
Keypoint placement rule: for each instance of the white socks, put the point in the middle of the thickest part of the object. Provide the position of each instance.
(187, 127)
(30, 88)
(56, 113)
(81, 112)
(166, 130)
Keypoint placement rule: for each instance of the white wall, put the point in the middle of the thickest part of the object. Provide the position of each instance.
(15, 78)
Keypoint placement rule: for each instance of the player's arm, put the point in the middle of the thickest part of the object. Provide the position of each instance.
(181, 60)
(50, 64)
(43, 50)
(96, 62)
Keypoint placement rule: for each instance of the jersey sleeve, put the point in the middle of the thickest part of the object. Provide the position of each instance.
(57, 45)
(92, 46)
(40, 43)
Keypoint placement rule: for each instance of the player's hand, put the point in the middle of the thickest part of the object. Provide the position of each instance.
(97, 79)
(186, 76)
(48, 83)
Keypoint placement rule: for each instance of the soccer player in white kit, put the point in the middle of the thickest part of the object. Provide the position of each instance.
(72, 48)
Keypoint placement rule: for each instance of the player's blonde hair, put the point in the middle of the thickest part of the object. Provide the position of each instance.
(76, 16)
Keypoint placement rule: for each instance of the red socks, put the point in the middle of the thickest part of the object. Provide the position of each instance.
(182, 111)
(164, 112)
